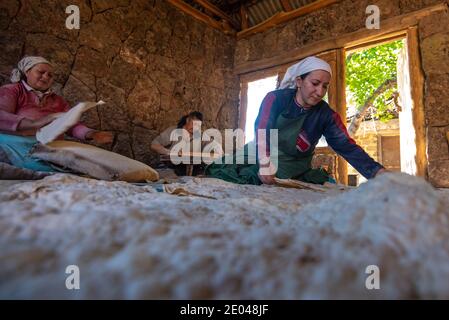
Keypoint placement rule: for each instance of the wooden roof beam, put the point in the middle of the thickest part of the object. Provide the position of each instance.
(244, 16)
(282, 17)
(198, 15)
(209, 6)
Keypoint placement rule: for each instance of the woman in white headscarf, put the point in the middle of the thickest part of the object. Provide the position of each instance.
(26, 105)
(300, 115)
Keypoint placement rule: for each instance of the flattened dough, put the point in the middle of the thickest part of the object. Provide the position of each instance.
(53, 130)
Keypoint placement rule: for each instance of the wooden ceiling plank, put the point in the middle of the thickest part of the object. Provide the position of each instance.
(282, 17)
(244, 16)
(197, 14)
(209, 6)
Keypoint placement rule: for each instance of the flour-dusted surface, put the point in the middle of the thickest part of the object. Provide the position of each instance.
(250, 242)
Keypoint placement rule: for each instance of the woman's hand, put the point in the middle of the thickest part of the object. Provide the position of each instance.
(267, 179)
(267, 172)
(27, 124)
(160, 149)
(100, 137)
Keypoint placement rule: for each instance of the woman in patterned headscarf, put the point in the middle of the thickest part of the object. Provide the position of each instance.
(300, 115)
(26, 105)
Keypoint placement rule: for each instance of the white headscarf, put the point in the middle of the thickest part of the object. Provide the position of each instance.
(24, 65)
(304, 66)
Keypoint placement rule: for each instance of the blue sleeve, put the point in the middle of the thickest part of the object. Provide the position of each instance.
(339, 140)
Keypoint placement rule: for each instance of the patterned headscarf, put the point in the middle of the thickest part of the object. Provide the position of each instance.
(304, 66)
(24, 65)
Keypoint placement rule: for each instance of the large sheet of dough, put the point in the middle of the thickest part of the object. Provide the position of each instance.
(239, 242)
(53, 130)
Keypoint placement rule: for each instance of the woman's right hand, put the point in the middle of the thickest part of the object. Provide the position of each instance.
(267, 172)
(267, 179)
(28, 124)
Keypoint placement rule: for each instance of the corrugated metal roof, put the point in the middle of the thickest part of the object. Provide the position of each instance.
(258, 10)
(263, 10)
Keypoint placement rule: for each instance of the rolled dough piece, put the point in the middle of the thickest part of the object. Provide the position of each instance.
(96, 162)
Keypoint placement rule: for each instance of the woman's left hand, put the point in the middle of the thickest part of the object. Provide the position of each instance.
(100, 137)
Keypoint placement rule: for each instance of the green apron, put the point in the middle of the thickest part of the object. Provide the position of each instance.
(292, 164)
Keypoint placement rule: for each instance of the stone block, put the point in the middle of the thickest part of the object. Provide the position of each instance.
(439, 173)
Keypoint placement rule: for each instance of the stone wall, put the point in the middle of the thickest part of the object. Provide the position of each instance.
(348, 16)
(434, 36)
(147, 60)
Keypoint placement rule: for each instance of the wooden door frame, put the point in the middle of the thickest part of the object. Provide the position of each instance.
(417, 92)
(411, 35)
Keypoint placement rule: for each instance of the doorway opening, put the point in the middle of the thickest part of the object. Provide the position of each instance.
(379, 105)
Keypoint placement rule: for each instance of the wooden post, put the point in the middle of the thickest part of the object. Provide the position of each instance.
(417, 91)
(243, 103)
(244, 16)
(340, 108)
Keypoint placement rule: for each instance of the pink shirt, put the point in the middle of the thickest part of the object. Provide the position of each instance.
(18, 101)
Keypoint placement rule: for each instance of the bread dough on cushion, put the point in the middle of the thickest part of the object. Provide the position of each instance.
(96, 162)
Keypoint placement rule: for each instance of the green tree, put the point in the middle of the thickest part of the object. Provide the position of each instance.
(371, 82)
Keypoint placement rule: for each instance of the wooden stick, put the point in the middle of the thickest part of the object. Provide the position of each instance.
(290, 183)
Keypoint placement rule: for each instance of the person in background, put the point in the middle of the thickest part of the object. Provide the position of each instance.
(162, 144)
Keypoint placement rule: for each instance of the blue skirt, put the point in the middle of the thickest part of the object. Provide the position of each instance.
(17, 149)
